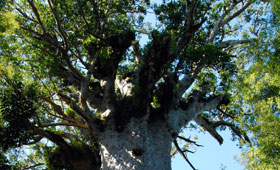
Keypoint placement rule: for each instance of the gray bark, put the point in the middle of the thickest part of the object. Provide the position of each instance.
(139, 146)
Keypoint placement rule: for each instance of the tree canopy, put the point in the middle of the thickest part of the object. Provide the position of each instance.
(258, 94)
(75, 75)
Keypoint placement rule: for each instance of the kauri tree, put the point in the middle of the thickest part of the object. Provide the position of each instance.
(79, 86)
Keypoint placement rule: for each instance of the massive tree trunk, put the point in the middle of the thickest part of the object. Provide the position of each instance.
(138, 146)
(143, 141)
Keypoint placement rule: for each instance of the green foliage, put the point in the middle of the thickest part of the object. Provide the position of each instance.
(17, 106)
(50, 50)
(79, 155)
(8, 21)
(172, 18)
(210, 56)
(4, 163)
(257, 94)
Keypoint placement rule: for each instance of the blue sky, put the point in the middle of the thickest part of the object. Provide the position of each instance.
(211, 156)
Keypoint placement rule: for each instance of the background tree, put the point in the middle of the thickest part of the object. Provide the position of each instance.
(258, 94)
(74, 74)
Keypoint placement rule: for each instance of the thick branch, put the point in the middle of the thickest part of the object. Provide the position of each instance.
(211, 128)
(65, 41)
(63, 124)
(77, 54)
(231, 43)
(92, 125)
(194, 107)
(238, 12)
(36, 140)
(25, 15)
(223, 21)
(59, 24)
(203, 122)
(189, 27)
(69, 136)
(94, 102)
(34, 9)
(86, 115)
(153, 66)
(45, 37)
(219, 22)
(55, 107)
(72, 69)
(31, 166)
(84, 95)
(109, 96)
(241, 135)
(58, 110)
(186, 82)
(54, 138)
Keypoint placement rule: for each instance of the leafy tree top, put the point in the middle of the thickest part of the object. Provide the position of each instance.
(78, 65)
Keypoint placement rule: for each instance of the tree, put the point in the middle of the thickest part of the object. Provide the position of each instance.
(258, 85)
(74, 73)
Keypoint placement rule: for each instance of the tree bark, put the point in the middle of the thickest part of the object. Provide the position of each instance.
(139, 146)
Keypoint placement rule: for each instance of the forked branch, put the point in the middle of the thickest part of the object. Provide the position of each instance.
(211, 126)
(189, 141)
(182, 153)
(224, 20)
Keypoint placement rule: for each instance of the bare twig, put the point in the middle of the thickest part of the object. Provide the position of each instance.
(189, 141)
(176, 151)
(183, 154)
